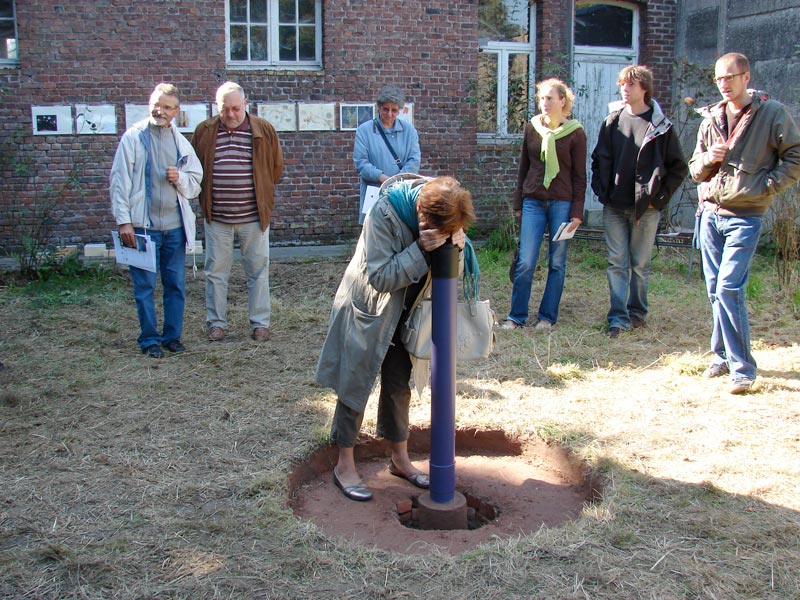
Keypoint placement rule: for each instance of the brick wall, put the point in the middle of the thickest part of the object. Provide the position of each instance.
(114, 52)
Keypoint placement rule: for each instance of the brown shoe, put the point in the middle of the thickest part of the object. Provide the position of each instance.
(261, 334)
(216, 334)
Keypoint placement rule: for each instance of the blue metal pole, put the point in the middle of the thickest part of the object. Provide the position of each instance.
(444, 272)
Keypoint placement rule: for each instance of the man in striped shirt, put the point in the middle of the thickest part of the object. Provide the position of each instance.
(242, 162)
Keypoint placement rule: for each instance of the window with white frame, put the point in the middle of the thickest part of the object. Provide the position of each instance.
(505, 67)
(274, 33)
(8, 33)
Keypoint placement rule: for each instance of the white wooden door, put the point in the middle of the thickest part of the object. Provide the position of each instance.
(606, 40)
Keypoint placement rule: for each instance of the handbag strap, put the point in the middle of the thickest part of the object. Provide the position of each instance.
(422, 293)
(388, 145)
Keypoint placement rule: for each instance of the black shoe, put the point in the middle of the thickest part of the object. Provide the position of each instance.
(638, 322)
(613, 332)
(153, 351)
(174, 346)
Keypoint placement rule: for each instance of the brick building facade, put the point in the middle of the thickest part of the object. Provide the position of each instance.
(114, 52)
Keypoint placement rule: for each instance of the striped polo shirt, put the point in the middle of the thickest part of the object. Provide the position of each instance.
(233, 195)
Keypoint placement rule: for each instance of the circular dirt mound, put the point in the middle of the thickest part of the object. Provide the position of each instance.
(529, 483)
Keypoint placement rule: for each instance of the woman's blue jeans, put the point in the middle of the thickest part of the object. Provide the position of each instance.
(728, 245)
(171, 262)
(538, 215)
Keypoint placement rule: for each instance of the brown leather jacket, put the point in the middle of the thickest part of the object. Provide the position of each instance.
(267, 163)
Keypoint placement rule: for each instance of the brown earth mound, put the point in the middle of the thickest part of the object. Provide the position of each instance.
(529, 483)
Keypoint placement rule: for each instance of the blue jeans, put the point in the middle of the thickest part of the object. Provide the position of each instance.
(254, 245)
(536, 216)
(630, 246)
(728, 245)
(171, 262)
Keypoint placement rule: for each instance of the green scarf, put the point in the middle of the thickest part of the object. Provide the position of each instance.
(549, 137)
(403, 198)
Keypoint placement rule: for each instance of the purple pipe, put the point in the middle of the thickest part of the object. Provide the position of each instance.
(444, 272)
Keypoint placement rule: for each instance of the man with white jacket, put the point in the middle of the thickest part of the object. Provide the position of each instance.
(155, 172)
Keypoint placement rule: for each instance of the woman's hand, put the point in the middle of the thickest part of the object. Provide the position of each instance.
(459, 238)
(574, 223)
(430, 239)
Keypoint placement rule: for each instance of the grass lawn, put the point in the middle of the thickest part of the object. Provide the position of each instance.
(127, 477)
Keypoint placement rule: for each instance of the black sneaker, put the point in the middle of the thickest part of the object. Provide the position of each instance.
(613, 332)
(174, 346)
(153, 351)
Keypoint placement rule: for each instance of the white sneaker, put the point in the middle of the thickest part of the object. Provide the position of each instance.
(509, 324)
(543, 326)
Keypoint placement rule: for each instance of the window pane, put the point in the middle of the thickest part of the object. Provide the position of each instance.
(238, 11)
(604, 25)
(308, 47)
(306, 12)
(286, 11)
(503, 20)
(259, 43)
(518, 86)
(8, 41)
(238, 42)
(258, 11)
(487, 92)
(287, 40)
(6, 9)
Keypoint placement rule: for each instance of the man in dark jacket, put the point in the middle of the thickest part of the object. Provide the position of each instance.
(748, 150)
(636, 167)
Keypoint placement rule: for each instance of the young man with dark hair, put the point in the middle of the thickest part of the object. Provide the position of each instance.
(636, 167)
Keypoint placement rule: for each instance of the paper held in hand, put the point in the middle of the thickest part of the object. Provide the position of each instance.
(562, 234)
(143, 256)
(370, 198)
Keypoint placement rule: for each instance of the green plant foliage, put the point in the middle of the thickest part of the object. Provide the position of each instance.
(69, 282)
(33, 216)
(504, 238)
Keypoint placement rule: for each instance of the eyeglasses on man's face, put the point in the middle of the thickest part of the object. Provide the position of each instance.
(164, 107)
(726, 78)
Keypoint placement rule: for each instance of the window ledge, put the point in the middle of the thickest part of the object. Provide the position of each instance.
(270, 67)
(491, 139)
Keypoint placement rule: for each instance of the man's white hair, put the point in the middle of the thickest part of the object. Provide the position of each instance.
(226, 88)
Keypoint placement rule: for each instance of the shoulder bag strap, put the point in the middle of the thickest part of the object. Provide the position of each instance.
(388, 145)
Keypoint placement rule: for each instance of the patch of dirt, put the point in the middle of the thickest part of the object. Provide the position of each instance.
(530, 484)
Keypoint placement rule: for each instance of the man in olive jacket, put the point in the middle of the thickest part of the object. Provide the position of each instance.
(748, 150)
(242, 162)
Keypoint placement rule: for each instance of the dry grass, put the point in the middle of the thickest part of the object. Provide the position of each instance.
(125, 477)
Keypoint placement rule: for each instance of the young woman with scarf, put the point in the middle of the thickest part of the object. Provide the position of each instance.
(551, 183)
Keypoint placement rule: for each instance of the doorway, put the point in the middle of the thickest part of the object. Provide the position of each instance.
(606, 39)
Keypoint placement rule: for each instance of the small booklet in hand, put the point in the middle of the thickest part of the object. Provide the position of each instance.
(562, 233)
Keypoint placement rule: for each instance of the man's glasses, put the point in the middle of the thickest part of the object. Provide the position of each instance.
(727, 77)
(163, 108)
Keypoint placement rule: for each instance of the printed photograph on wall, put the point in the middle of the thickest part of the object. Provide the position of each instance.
(51, 120)
(135, 113)
(95, 119)
(407, 112)
(282, 115)
(351, 115)
(316, 117)
(191, 116)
